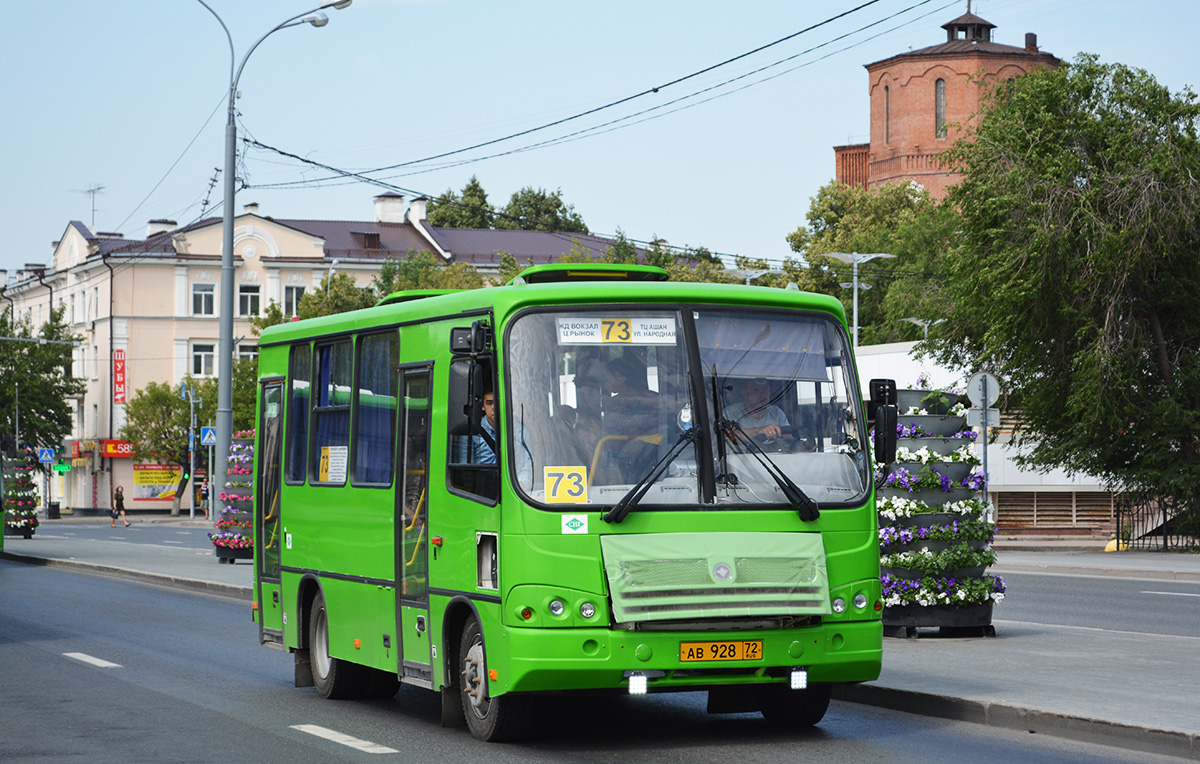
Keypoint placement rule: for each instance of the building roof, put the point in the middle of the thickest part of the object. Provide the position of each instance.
(361, 239)
(480, 245)
(969, 34)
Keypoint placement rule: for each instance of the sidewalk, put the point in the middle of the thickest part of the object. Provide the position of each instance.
(1135, 691)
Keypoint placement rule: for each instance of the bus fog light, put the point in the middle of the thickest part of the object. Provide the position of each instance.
(839, 605)
(556, 607)
(799, 679)
(587, 610)
(527, 613)
(860, 601)
(637, 684)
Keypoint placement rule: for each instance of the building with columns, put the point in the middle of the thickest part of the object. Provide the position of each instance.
(146, 309)
(921, 100)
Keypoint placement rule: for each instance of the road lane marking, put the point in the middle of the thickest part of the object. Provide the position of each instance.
(366, 746)
(92, 660)
(1175, 594)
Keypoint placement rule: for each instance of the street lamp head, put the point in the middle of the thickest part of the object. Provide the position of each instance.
(339, 5)
(317, 19)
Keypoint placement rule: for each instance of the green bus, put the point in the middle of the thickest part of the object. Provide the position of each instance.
(589, 479)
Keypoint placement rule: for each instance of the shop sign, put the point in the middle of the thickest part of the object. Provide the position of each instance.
(117, 449)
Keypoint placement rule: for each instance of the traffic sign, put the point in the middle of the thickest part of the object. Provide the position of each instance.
(976, 389)
(208, 436)
(975, 417)
(45, 455)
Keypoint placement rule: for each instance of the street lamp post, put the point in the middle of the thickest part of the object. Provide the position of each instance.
(924, 323)
(854, 258)
(317, 18)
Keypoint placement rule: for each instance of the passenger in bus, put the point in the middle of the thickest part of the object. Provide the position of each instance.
(476, 450)
(631, 433)
(758, 417)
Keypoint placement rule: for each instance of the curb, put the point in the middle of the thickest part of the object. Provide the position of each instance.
(1002, 715)
(177, 582)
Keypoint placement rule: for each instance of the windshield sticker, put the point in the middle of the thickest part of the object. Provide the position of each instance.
(565, 485)
(630, 331)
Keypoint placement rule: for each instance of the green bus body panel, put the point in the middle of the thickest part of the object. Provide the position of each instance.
(343, 538)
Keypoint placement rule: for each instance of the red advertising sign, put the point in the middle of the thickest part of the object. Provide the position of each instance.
(116, 448)
(118, 377)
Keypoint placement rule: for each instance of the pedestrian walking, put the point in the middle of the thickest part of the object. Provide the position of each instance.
(204, 497)
(118, 507)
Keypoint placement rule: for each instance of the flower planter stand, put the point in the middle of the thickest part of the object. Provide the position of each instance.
(905, 620)
(231, 554)
(950, 620)
(235, 519)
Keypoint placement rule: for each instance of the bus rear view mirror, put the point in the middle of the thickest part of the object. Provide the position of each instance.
(886, 419)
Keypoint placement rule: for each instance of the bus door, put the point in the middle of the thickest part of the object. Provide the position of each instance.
(412, 542)
(267, 508)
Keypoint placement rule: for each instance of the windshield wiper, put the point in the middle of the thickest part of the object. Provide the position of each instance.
(807, 508)
(630, 500)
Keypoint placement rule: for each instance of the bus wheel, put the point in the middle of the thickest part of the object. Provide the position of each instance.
(784, 707)
(491, 719)
(334, 678)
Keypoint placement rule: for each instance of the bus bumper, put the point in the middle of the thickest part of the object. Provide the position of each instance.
(546, 660)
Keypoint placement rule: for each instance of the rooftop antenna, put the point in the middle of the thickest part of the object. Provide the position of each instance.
(91, 191)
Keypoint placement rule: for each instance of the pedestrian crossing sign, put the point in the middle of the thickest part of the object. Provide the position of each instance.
(208, 436)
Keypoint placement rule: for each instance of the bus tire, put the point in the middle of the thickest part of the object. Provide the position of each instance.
(334, 678)
(382, 684)
(795, 709)
(491, 719)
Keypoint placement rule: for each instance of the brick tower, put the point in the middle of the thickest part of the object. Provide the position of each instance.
(921, 99)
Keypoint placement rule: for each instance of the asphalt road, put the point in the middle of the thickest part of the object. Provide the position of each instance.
(1135, 606)
(189, 683)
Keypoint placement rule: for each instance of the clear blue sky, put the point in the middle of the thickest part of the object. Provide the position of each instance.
(111, 94)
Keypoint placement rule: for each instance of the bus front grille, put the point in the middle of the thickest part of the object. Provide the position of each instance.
(674, 576)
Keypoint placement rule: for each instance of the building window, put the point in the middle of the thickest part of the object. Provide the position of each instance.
(887, 114)
(291, 300)
(202, 299)
(247, 352)
(203, 359)
(248, 299)
(95, 362)
(939, 108)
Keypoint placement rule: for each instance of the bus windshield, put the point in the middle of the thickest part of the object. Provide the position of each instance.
(598, 397)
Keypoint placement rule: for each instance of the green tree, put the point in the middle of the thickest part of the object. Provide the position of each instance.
(897, 219)
(423, 270)
(157, 421)
(533, 209)
(336, 294)
(36, 369)
(470, 209)
(1078, 275)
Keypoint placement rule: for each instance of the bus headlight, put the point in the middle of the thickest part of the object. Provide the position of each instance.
(860, 601)
(587, 610)
(839, 605)
(557, 608)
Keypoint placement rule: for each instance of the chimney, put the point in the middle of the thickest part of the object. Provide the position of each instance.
(1031, 42)
(416, 210)
(389, 208)
(155, 227)
(251, 208)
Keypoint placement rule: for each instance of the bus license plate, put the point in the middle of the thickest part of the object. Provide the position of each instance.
(740, 650)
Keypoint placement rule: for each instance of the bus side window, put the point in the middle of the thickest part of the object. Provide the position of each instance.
(472, 466)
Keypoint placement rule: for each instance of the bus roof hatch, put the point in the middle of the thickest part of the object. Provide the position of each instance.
(552, 273)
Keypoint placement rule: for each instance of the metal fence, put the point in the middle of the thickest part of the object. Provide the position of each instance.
(1153, 523)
